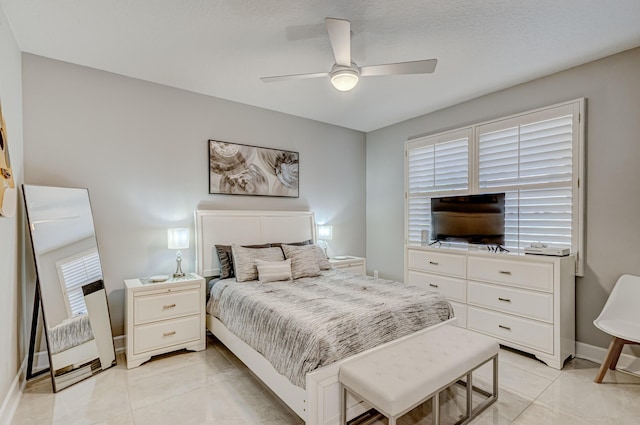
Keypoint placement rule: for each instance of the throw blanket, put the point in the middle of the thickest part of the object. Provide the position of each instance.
(303, 325)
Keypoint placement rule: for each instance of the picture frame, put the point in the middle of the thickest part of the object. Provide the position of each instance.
(238, 169)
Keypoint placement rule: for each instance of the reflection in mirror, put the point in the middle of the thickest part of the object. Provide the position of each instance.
(74, 301)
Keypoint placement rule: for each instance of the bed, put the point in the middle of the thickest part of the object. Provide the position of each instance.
(312, 391)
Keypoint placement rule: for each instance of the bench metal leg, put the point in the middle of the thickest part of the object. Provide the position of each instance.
(435, 408)
(343, 405)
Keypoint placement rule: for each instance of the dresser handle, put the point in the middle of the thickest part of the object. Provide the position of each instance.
(504, 272)
(166, 307)
(435, 263)
(433, 285)
(504, 327)
(507, 300)
(169, 333)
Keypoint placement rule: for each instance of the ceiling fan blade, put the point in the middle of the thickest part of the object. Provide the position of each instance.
(293, 77)
(340, 36)
(416, 67)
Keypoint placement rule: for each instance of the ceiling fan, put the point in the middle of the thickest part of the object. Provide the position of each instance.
(344, 74)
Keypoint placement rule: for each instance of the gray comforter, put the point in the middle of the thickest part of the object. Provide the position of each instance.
(302, 325)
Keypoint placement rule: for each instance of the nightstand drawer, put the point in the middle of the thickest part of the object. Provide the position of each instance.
(165, 334)
(450, 287)
(167, 305)
(357, 268)
(526, 332)
(532, 304)
(517, 273)
(437, 262)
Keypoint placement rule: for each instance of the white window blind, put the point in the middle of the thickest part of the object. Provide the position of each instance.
(535, 158)
(75, 272)
(533, 154)
(434, 165)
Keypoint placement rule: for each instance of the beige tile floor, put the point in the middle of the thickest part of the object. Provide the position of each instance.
(213, 387)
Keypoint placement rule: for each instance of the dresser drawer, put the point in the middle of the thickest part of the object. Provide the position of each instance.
(517, 273)
(165, 334)
(165, 305)
(526, 332)
(460, 312)
(437, 262)
(450, 287)
(535, 305)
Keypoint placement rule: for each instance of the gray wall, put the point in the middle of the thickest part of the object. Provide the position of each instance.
(612, 88)
(12, 300)
(141, 150)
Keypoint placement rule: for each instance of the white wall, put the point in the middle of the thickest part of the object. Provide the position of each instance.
(12, 300)
(612, 88)
(141, 150)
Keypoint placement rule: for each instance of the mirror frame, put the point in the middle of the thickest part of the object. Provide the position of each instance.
(100, 331)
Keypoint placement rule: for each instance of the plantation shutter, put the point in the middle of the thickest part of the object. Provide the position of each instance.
(435, 165)
(74, 273)
(530, 158)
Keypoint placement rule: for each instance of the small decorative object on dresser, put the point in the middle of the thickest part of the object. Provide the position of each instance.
(350, 264)
(164, 316)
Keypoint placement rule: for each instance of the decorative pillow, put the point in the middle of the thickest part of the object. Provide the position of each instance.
(226, 259)
(323, 262)
(273, 271)
(307, 242)
(304, 260)
(244, 260)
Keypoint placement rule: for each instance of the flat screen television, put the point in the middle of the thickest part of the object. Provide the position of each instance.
(476, 219)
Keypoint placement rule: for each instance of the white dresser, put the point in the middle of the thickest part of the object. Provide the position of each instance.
(525, 301)
(164, 316)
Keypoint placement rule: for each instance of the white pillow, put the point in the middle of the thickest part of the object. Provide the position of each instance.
(273, 271)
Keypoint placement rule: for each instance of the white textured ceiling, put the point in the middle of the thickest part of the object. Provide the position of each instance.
(222, 48)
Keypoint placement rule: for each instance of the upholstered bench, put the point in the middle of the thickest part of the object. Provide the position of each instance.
(397, 378)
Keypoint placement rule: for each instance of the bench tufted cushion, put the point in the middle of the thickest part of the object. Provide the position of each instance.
(397, 377)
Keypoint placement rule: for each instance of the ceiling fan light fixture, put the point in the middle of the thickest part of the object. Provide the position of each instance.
(344, 79)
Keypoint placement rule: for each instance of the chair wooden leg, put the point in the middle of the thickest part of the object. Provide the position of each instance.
(616, 354)
(611, 359)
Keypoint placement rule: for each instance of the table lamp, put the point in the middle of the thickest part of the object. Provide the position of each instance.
(178, 239)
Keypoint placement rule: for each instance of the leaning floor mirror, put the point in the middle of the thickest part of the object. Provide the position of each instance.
(69, 284)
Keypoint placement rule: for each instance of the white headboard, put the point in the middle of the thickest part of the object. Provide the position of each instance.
(225, 227)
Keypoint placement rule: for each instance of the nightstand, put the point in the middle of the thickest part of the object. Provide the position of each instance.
(164, 316)
(355, 265)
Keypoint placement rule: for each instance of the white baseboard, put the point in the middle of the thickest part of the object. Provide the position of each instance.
(12, 399)
(120, 343)
(629, 361)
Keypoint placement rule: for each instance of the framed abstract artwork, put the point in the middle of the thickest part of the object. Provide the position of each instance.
(8, 193)
(236, 169)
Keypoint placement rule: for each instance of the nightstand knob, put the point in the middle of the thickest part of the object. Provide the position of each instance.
(166, 307)
(169, 333)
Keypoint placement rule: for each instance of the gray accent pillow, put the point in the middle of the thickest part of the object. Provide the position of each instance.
(225, 256)
(244, 260)
(304, 260)
(323, 262)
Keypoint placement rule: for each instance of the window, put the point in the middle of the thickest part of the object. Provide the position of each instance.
(75, 272)
(535, 158)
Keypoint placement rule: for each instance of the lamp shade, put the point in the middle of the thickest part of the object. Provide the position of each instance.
(325, 233)
(178, 238)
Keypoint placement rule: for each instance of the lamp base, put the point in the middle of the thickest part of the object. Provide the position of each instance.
(179, 272)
